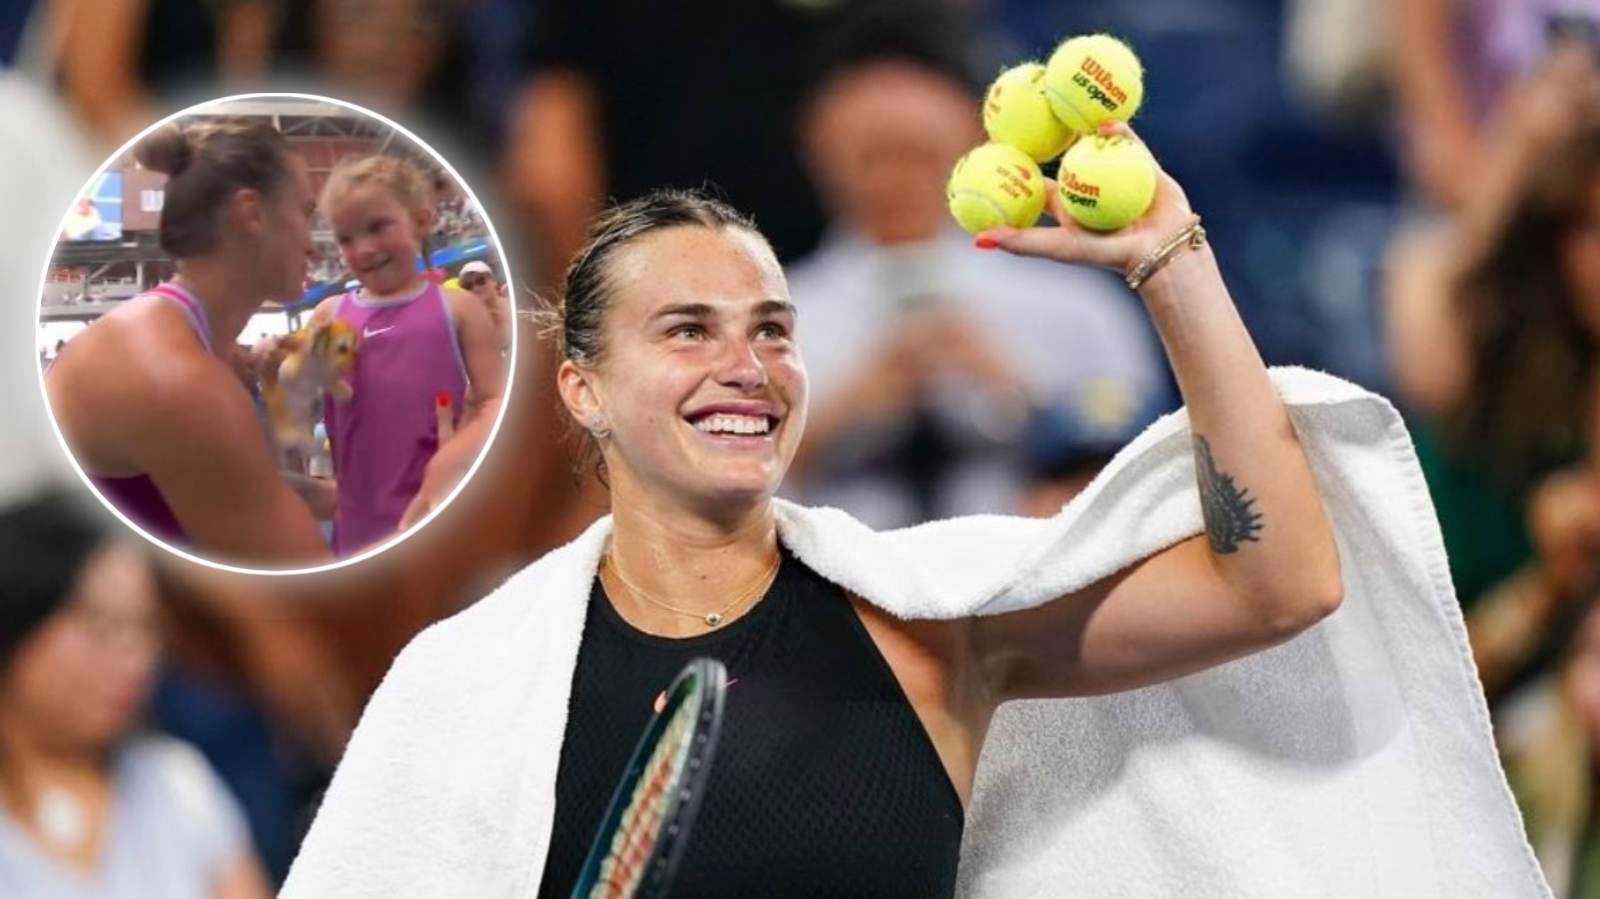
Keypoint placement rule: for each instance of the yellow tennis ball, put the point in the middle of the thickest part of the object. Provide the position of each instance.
(1107, 181)
(993, 185)
(1016, 112)
(1092, 79)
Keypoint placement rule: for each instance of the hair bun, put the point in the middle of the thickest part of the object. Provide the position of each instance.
(166, 149)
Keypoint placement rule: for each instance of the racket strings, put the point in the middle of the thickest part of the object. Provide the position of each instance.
(631, 846)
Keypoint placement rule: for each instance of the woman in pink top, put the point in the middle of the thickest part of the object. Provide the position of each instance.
(145, 396)
(422, 347)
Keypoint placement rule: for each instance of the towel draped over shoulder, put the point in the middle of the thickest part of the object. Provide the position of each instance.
(1354, 760)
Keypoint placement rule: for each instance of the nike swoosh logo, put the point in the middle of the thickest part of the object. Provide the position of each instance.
(366, 334)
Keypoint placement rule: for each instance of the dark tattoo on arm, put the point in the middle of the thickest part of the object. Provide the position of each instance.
(1226, 506)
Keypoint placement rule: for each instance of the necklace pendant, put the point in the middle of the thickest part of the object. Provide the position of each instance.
(713, 619)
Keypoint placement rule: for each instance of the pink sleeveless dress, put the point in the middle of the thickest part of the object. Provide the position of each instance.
(383, 437)
(137, 497)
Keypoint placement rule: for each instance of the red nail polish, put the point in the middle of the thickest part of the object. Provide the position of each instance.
(986, 243)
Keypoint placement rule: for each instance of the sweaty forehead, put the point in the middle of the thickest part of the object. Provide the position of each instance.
(695, 264)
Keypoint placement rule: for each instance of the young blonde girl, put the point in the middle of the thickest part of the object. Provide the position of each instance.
(422, 347)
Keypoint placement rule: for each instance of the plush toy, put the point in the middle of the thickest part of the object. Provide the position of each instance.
(317, 358)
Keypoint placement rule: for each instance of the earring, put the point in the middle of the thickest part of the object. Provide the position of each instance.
(599, 427)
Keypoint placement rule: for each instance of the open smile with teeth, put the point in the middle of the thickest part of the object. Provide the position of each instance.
(740, 425)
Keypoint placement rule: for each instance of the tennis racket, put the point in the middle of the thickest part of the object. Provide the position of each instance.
(646, 826)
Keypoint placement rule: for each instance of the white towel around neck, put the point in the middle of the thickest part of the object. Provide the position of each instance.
(1354, 761)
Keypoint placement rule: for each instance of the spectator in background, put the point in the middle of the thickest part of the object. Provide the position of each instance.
(87, 806)
(1493, 321)
(1550, 741)
(84, 222)
(1066, 446)
(1453, 61)
(1519, 625)
(478, 278)
(961, 347)
(121, 63)
(250, 680)
(403, 57)
(623, 98)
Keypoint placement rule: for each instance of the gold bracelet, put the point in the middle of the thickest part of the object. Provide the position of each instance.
(1193, 235)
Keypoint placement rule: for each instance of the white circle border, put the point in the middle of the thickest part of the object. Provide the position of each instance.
(505, 399)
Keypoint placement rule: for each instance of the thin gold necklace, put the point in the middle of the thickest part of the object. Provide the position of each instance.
(711, 619)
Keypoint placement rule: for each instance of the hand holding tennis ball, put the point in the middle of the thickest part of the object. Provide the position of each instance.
(996, 185)
(1092, 79)
(1016, 112)
(1107, 181)
(1168, 213)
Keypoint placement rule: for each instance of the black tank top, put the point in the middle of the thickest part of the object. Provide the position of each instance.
(825, 782)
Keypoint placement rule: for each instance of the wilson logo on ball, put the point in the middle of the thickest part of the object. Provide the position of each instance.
(1102, 77)
(1071, 182)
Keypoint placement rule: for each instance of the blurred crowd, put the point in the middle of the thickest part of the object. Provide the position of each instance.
(1404, 193)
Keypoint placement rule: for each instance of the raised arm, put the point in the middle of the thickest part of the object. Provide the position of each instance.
(1266, 567)
(1441, 139)
(553, 173)
(1428, 349)
(99, 64)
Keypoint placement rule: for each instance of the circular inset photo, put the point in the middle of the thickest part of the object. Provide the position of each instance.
(275, 333)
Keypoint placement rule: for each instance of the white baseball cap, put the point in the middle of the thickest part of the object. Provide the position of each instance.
(476, 265)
